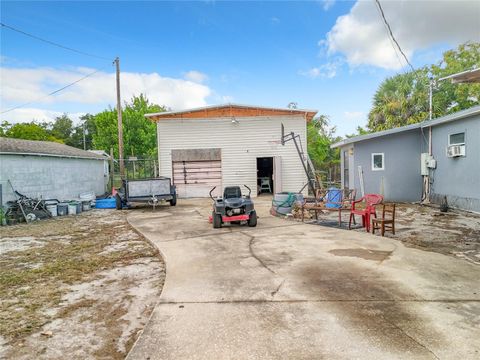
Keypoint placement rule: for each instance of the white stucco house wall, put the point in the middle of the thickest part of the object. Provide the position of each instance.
(228, 145)
(49, 170)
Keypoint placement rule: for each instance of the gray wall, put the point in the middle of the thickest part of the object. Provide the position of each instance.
(401, 177)
(51, 177)
(457, 178)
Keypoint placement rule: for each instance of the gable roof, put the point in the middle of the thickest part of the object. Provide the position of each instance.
(43, 148)
(230, 110)
(441, 120)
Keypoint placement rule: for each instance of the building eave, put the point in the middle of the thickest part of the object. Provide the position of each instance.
(206, 111)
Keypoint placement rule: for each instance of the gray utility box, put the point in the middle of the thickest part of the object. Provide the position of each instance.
(150, 191)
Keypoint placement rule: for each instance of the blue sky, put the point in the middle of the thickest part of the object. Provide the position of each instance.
(324, 55)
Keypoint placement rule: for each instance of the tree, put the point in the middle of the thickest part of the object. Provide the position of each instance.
(139, 134)
(400, 100)
(62, 128)
(319, 138)
(448, 97)
(87, 125)
(404, 99)
(28, 131)
(360, 131)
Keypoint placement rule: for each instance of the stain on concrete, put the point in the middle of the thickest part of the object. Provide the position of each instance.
(377, 303)
(366, 254)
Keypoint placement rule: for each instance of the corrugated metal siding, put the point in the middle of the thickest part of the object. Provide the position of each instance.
(241, 144)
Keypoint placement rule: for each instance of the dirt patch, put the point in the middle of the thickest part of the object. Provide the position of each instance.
(83, 285)
(454, 233)
(366, 254)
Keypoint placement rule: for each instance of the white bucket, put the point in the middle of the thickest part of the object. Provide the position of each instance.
(72, 209)
(52, 209)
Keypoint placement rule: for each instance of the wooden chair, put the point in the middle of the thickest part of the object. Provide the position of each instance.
(369, 201)
(385, 223)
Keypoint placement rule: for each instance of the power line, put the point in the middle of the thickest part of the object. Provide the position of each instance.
(395, 50)
(391, 34)
(52, 93)
(53, 43)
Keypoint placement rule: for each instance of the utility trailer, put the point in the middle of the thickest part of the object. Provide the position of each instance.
(146, 191)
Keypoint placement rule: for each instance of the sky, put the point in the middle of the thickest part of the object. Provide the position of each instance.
(327, 55)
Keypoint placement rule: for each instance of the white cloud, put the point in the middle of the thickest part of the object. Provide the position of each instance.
(327, 4)
(354, 115)
(22, 85)
(39, 115)
(195, 76)
(362, 37)
(328, 71)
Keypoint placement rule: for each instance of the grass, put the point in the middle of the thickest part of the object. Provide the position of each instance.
(34, 280)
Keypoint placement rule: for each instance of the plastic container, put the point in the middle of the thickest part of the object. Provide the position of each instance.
(62, 209)
(72, 208)
(52, 209)
(108, 203)
(88, 195)
(86, 205)
(79, 207)
(282, 203)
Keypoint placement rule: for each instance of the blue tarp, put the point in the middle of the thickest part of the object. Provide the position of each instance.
(334, 198)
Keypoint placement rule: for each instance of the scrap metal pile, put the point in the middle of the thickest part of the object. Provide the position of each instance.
(25, 209)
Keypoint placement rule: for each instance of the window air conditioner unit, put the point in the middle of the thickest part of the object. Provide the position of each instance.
(455, 151)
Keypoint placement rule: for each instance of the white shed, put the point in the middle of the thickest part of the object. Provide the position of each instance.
(227, 145)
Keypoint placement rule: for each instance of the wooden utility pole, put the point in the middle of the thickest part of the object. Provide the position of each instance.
(120, 122)
(112, 169)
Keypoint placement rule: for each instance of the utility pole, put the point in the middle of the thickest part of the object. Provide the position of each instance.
(84, 145)
(430, 99)
(119, 121)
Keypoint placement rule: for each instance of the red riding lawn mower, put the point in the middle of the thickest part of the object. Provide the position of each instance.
(233, 208)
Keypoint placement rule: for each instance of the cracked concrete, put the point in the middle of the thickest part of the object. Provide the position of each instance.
(292, 290)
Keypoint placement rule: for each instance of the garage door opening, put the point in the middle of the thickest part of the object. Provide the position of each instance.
(265, 175)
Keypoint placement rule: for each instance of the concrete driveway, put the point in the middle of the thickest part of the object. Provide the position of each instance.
(287, 290)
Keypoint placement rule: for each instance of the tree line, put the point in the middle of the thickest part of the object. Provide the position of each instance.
(98, 131)
(403, 99)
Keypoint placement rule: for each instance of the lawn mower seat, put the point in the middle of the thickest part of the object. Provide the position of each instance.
(232, 192)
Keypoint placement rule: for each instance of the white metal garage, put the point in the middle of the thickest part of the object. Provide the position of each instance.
(230, 145)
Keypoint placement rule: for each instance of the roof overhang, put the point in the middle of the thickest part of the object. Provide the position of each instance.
(464, 77)
(230, 110)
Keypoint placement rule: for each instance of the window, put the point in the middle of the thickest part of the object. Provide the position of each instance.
(456, 139)
(378, 162)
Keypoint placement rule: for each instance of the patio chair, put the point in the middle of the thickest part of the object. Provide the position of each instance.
(369, 201)
(385, 223)
(265, 184)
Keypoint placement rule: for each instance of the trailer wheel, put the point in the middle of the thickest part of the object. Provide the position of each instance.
(173, 202)
(252, 221)
(118, 202)
(217, 220)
